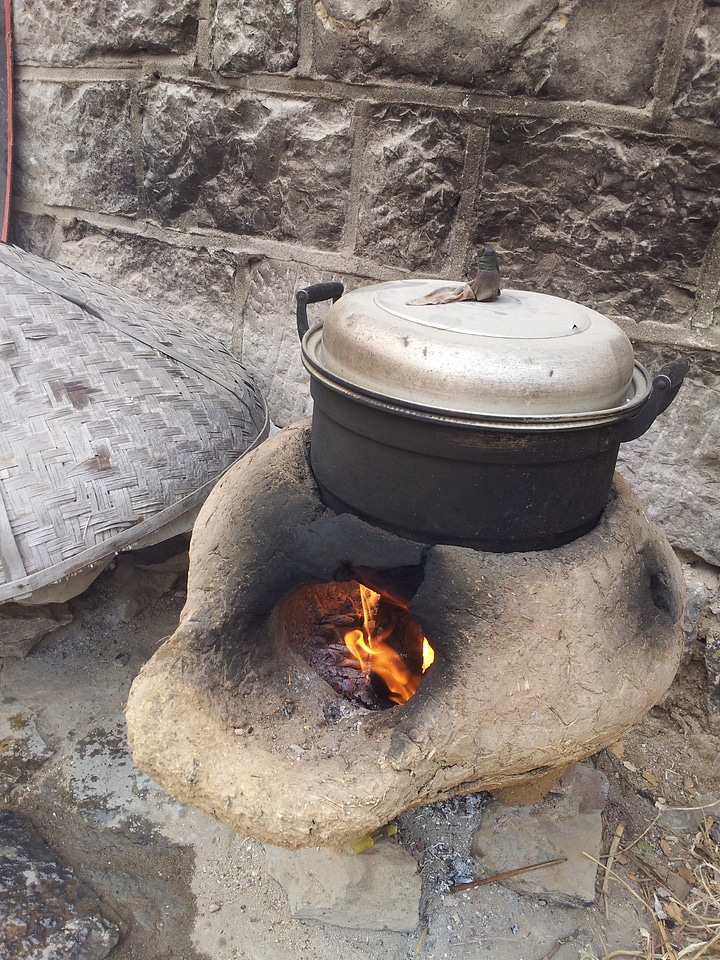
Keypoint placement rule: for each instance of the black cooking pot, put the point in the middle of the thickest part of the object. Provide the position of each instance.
(490, 425)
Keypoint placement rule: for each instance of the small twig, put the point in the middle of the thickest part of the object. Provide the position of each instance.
(321, 796)
(627, 886)
(498, 877)
(705, 947)
(614, 844)
(645, 832)
(656, 920)
(653, 875)
(623, 953)
(421, 941)
(671, 955)
(561, 943)
(703, 806)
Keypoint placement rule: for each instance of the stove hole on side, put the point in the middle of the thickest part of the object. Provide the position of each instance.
(661, 592)
(363, 643)
(659, 583)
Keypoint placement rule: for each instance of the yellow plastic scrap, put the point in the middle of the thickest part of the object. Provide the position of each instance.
(370, 839)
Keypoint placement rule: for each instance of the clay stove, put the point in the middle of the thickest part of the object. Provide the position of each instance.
(540, 659)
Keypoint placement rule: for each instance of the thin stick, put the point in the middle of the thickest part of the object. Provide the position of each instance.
(614, 844)
(421, 941)
(703, 806)
(656, 920)
(498, 877)
(561, 942)
(666, 943)
(643, 834)
(627, 886)
(622, 953)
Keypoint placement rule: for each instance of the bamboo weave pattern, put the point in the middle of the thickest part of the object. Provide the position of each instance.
(114, 420)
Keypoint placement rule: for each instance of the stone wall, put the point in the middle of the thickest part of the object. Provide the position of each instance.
(216, 155)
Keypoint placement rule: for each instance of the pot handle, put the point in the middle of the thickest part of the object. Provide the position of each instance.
(314, 294)
(664, 389)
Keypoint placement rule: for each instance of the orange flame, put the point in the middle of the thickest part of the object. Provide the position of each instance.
(370, 648)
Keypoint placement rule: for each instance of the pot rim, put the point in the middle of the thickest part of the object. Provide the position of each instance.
(641, 382)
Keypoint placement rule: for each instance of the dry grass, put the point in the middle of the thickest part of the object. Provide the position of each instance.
(677, 929)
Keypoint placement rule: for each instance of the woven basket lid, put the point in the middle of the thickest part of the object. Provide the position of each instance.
(115, 423)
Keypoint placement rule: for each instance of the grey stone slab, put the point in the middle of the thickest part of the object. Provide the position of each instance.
(245, 164)
(575, 50)
(64, 32)
(622, 221)
(567, 823)
(248, 36)
(270, 343)
(32, 232)
(697, 89)
(378, 889)
(73, 145)
(45, 911)
(410, 187)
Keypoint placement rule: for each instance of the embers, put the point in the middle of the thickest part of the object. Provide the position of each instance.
(363, 643)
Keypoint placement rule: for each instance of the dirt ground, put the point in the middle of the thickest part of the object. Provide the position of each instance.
(180, 886)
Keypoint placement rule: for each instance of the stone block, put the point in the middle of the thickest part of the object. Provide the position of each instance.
(193, 284)
(607, 52)
(247, 164)
(566, 51)
(350, 891)
(702, 604)
(63, 33)
(410, 187)
(33, 233)
(268, 343)
(622, 221)
(137, 585)
(73, 145)
(248, 36)
(675, 467)
(697, 88)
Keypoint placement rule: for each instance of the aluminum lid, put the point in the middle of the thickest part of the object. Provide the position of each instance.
(524, 354)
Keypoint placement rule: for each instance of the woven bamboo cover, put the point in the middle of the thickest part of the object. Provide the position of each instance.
(115, 421)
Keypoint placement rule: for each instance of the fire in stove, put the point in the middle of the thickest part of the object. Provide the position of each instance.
(361, 641)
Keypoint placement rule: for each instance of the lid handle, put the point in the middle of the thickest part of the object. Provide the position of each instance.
(485, 286)
(315, 294)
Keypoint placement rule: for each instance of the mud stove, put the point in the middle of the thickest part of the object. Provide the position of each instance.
(254, 712)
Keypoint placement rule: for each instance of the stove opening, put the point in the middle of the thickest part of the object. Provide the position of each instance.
(360, 640)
